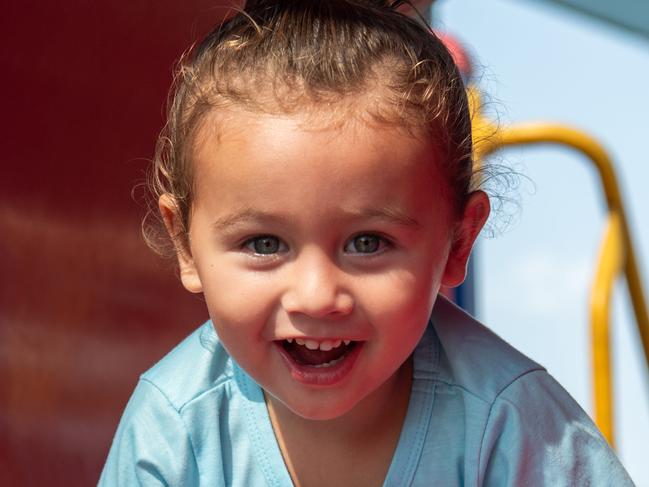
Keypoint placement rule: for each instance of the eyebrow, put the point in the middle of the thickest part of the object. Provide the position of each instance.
(244, 216)
(390, 215)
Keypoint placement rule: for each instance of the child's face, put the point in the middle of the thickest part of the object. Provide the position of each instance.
(317, 233)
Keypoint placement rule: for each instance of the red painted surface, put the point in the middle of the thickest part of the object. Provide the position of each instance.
(459, 53)
(84, 305)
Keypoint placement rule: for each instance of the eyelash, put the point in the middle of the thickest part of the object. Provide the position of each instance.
(383, 244)
(249, 245)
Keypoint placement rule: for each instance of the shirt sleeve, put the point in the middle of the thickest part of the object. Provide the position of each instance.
(151, 446)
(537, 435)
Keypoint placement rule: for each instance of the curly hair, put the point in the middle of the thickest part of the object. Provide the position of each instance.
(284, 57)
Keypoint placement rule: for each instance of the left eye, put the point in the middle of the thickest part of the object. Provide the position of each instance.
(265, 245)
(365, 244)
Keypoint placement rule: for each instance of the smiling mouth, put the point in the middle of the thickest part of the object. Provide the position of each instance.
(305, 354)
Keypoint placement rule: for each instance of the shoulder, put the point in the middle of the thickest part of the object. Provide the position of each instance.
(528, 430)
(158, 441)
(151, 445)
(474, 358)
(537, 434)
(196, 365)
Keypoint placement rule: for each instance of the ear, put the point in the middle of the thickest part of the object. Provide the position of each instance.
(172, 220)
(476, 212)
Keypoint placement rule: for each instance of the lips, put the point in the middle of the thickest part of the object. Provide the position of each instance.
(319, 367)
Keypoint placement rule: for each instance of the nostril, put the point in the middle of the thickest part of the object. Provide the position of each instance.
(318, 305)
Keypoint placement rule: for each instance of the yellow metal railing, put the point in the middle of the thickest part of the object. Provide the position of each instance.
(616, 252)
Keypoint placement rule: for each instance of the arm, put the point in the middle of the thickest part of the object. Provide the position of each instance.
(538, 435)
(151, 446)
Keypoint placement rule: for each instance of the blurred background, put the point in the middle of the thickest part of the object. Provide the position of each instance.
(85, 307)
(586, 64)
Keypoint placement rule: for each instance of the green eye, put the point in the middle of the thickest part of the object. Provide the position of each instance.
(365, 244)
(264, 245)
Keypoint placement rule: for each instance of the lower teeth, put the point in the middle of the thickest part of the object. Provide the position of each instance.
(328, 364)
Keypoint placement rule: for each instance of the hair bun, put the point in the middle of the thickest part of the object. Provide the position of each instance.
(384, 3)
(375, 3)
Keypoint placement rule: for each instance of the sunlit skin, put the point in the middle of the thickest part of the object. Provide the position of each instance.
(305, 228)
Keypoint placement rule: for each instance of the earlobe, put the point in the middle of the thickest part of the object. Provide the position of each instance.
(476, 212)
(172, 220)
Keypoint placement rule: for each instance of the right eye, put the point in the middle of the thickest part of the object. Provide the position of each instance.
(265, 245)
(366, 244)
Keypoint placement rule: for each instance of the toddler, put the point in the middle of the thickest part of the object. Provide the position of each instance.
(315, 178)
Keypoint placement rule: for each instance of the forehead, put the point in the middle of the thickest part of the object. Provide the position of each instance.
(349, 126)
(321, 159)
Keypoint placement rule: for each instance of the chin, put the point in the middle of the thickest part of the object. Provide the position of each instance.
(319, 412)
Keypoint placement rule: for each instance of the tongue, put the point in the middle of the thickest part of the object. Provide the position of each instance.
(304, 356)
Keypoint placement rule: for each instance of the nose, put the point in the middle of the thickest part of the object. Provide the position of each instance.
(316, 287)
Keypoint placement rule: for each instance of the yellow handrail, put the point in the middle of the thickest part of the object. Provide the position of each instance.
(616, 253)
(611, 262)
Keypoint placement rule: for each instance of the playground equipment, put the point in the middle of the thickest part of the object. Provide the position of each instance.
(616, 256)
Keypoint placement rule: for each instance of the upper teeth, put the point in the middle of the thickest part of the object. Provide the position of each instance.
(324, 345)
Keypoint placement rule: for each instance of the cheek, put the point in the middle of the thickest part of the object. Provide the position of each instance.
(239, 301)
(240, 321)
(404, 296)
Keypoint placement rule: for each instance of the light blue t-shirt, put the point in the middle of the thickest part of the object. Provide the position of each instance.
(480, 413)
